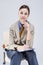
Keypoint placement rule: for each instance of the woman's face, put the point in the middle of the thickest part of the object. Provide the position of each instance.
(23, 14)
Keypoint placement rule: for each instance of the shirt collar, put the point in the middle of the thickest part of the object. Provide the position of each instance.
(19, 24)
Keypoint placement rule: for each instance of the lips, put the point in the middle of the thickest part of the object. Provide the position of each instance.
(23, 17)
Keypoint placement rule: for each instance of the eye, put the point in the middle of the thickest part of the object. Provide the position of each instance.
(21, 12)
(25, 13)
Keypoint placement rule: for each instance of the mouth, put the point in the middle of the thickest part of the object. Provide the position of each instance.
(22, 18)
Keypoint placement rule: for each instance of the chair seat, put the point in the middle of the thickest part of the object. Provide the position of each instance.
(24, 62)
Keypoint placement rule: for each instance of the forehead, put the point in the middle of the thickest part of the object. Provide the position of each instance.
(23, 10)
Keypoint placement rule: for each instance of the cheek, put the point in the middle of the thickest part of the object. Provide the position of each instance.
(20, 15)
(25, 17)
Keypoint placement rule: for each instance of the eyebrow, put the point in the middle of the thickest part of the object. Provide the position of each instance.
(22, 12)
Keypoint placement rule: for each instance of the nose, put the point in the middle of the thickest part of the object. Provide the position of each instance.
(23, 16)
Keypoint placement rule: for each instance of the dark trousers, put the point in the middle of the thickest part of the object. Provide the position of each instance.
(30, 56)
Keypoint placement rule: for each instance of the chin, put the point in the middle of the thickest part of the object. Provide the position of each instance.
(23, 20)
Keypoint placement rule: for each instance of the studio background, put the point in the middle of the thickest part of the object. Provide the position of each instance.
(9, 15)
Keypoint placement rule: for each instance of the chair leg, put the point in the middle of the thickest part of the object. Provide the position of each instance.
(4, 62)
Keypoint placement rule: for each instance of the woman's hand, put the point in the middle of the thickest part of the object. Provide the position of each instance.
(23, 48)
(26, 26)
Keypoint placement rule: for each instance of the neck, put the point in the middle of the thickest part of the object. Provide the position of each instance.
(22, 22)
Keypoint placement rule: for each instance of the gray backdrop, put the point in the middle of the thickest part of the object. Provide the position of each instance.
(9, 15)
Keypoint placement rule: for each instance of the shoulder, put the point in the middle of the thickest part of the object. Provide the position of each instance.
(31, 26)
(14, 25)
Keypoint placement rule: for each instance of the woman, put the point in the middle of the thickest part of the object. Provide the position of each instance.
(21, 39)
